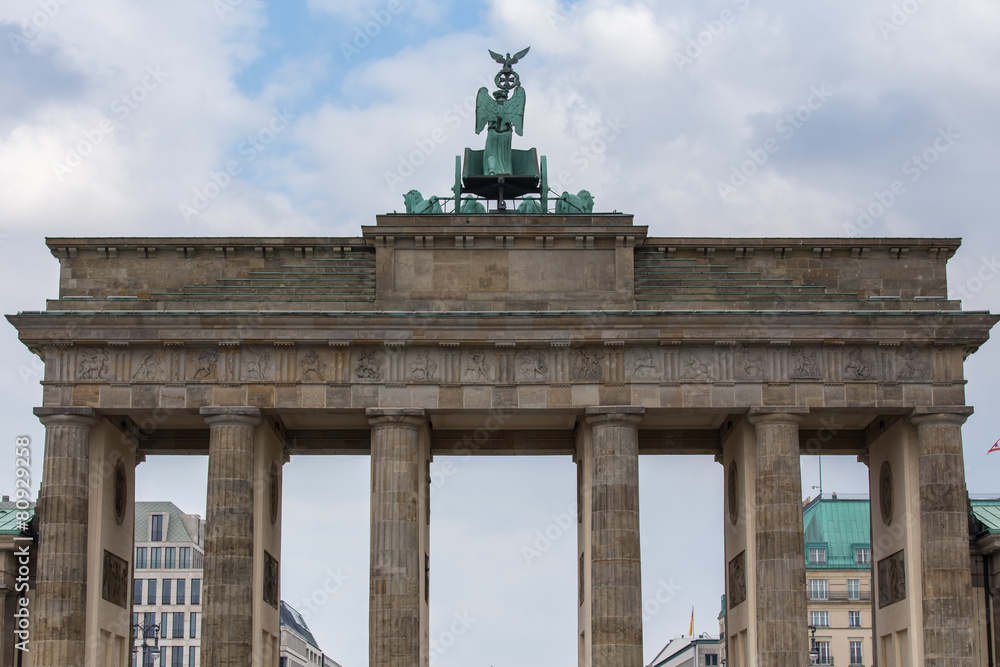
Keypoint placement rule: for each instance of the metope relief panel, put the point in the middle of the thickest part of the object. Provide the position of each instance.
(203, 364)
(368, 365)
(422, 364)
(532, 366)
(92, 363)
(913, 364)
(644, 364)
(588, 365)
(859, 366)
(751, 363)
(310, 366)
(478, 366)
(148, 366)
(258, 364)
(696, 365)
(804, 364)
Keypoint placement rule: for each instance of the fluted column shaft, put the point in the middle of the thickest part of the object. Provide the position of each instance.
(60, 623)
(227, 621)
(616, 581)
(396, 560)
(944, 529)
(782, 633)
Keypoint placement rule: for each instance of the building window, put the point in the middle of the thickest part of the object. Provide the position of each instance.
(856, 656)
(191, 660)
(819, 619)
(149, 622)
(140, 558)
(819, 589)
(817, 556)
(164, 625)
(194, 625)
(853, 589)
(854, 619)
(196, 591)
(711, 660)
(137, 591)
(154, 558)
(181, 585)
(168, 558)
(178, 625)
(156, 528)
(151, 592)
(166, 591)
(163, 656)
(177, 656)
(824, 653)
(862, 556)
(184, 558)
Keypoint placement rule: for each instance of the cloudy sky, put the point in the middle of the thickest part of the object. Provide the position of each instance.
(718, 117)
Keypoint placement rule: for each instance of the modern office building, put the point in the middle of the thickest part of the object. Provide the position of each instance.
(839, 578)
(167, 585)
(701, 651)
(16, 537)
(298, 646)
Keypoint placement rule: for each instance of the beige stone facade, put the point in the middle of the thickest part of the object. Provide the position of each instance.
(568, 335)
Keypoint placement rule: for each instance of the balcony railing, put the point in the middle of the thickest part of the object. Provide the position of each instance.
(841, 594)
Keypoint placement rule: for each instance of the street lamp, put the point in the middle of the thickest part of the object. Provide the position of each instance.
(813, 651)
(150, 651)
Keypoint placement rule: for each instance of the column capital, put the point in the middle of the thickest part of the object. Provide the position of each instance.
(952, 414)
(414, 417)
(777, 414)
(230, 416)
(629, 414)
(71, 416)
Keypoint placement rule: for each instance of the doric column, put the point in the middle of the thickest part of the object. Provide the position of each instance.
(782, 635)
(944, 535)
(616, 581)
(227, 621)
(398, 475)
(60, 623)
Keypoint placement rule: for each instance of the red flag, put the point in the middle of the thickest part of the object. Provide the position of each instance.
(996, 447)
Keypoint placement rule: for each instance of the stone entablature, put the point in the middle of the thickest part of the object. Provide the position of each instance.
(502, 263)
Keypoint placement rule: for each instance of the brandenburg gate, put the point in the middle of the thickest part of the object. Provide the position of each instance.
(516, 332)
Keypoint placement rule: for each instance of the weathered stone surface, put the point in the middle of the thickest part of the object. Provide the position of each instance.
(396, 554)
(616, 582)
(782, 638)
(227, 621)
(944, 528)
(60, 616)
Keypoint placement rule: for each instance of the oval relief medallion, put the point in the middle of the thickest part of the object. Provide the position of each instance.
(885, 492)
(734, 501)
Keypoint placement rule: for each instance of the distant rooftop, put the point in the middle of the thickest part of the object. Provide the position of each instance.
(839, 523)
(177, 530)
(8, 518)
(290, 617)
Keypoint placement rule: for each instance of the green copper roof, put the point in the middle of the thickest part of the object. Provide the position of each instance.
(839, 525)
(176, 530)
(988, 514)
(9, 524)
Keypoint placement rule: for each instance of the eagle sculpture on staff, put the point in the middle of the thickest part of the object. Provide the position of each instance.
(502, 113)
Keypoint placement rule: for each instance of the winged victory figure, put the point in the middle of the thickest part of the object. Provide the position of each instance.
(501, 115)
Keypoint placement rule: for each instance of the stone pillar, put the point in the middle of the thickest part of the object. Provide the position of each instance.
(782, 633)
(615, 563)
(399, 477)
(944, 529)
(60, 623)
(227, 620)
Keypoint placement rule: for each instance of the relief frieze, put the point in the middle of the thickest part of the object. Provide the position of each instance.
(400, 364)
